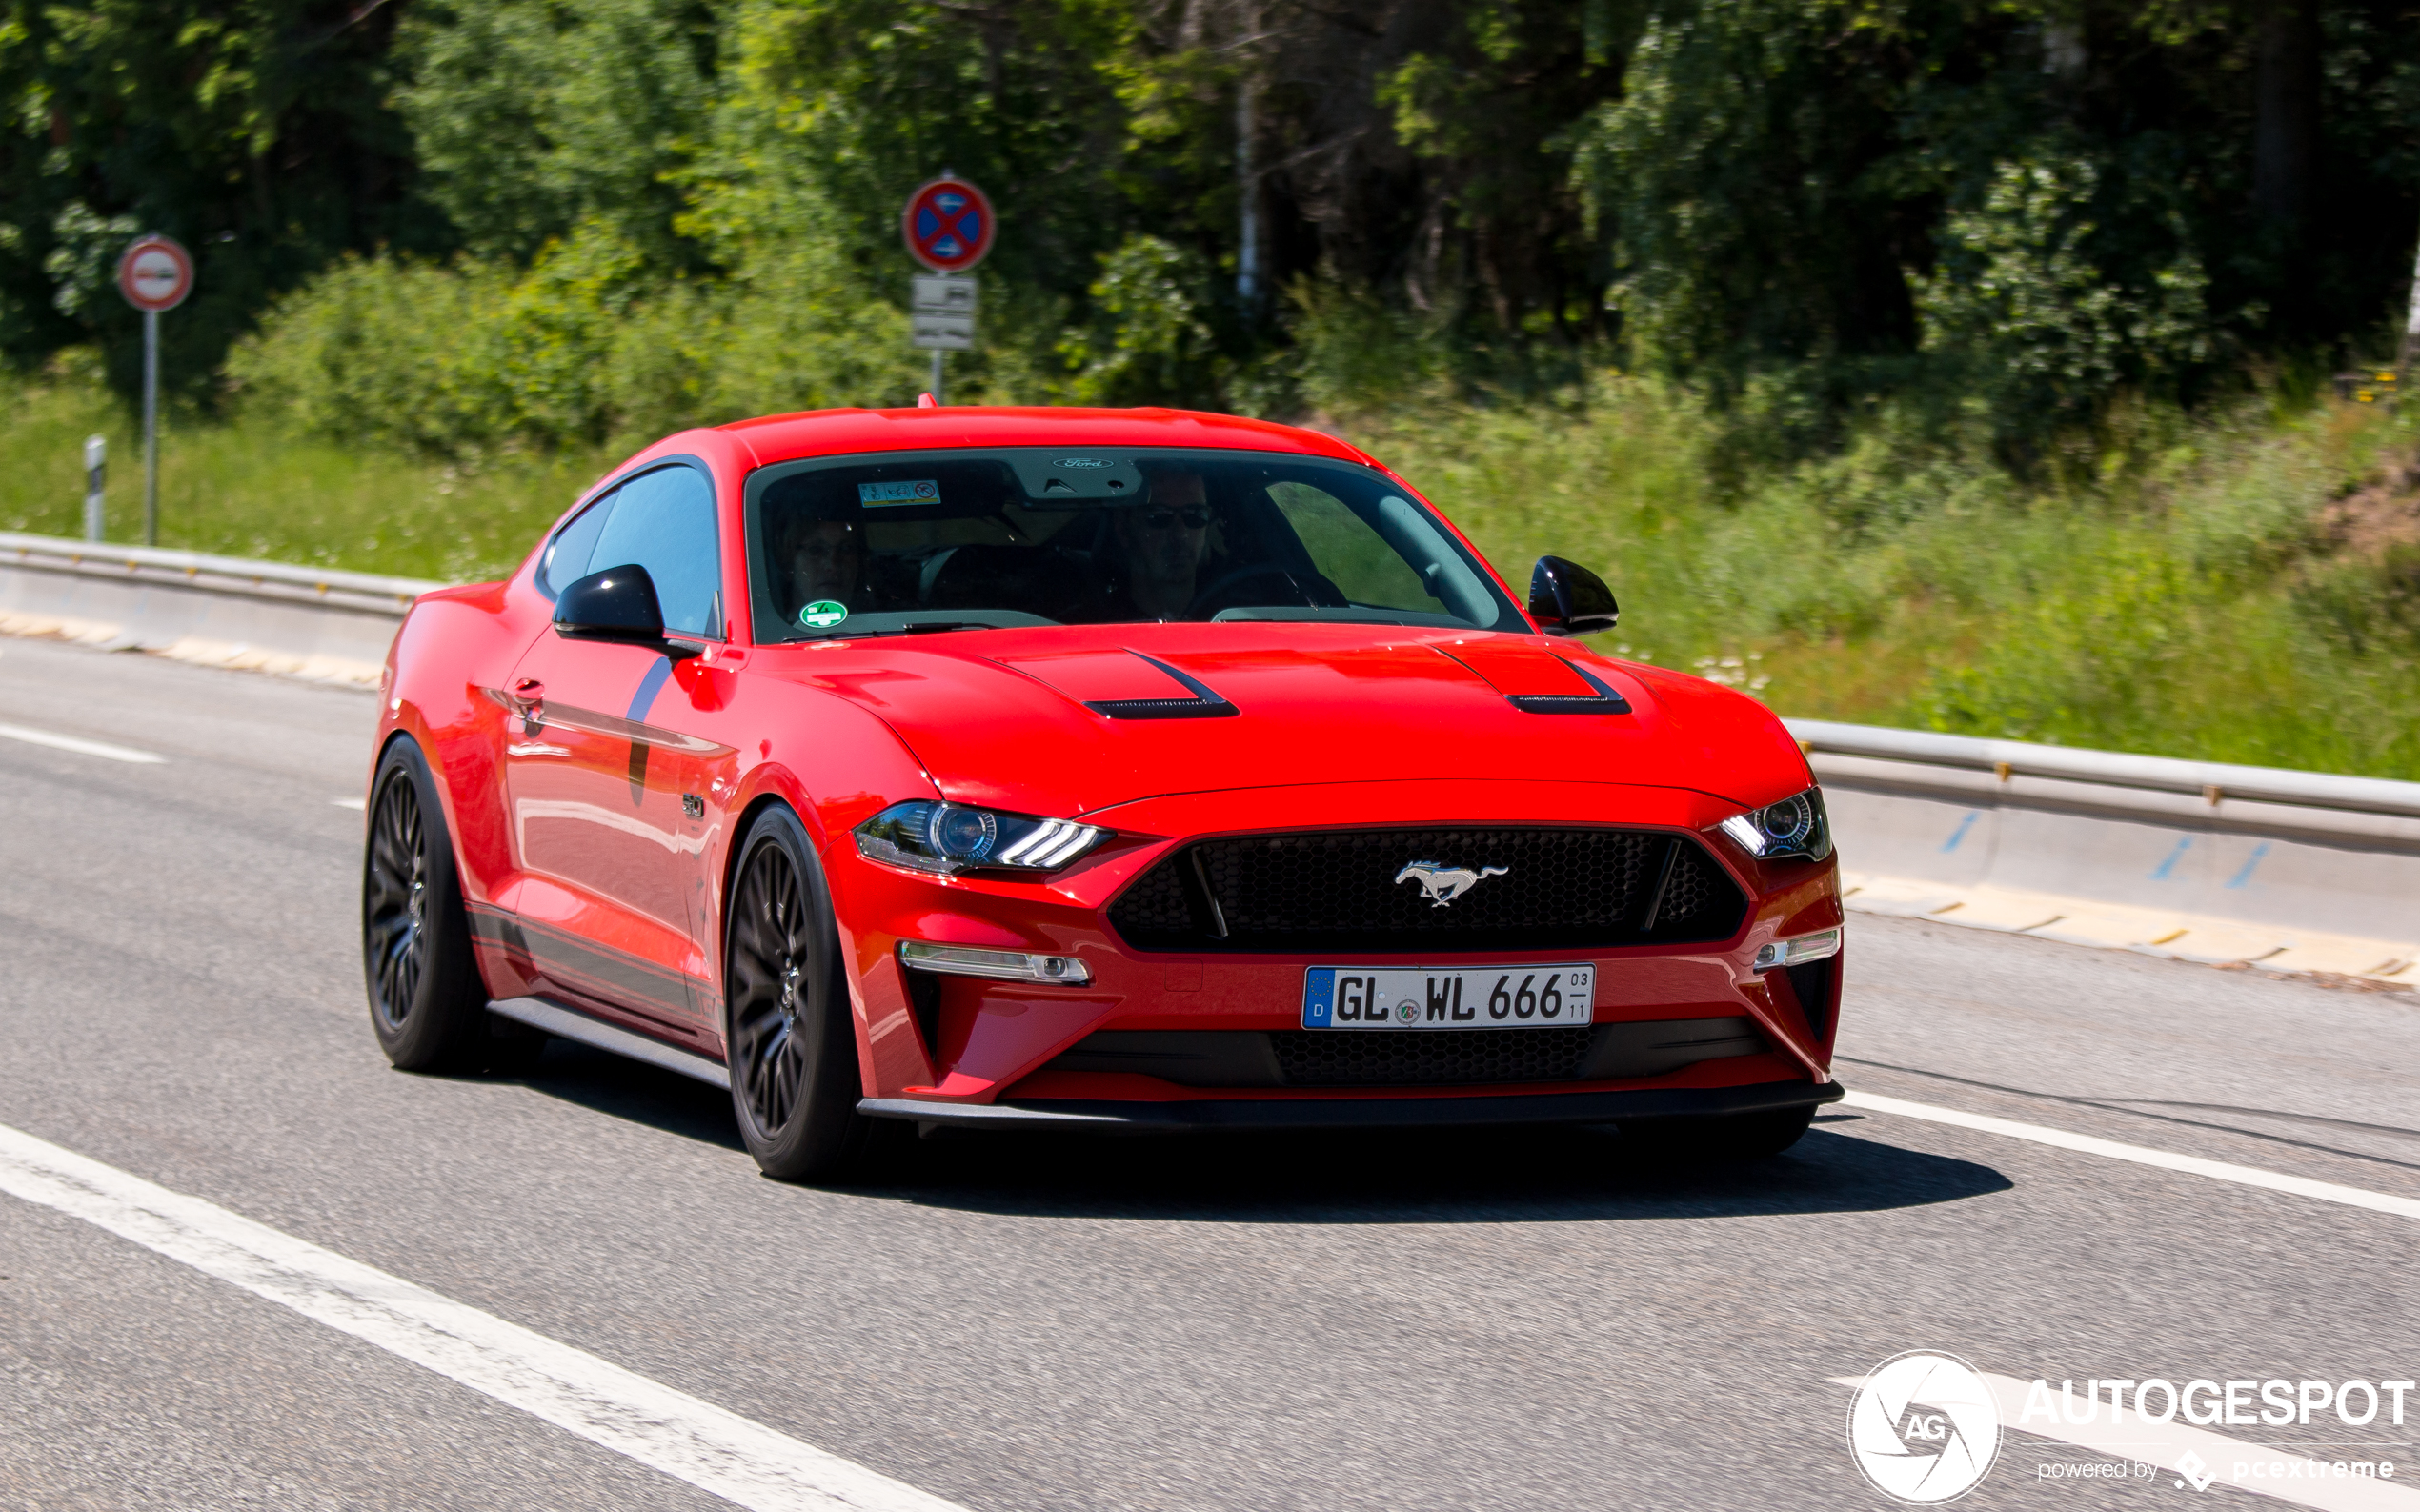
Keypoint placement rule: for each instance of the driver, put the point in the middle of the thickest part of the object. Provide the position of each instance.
(1160, 544)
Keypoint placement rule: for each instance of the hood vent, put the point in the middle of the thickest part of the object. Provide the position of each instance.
(1604, 701)
(1204, 704)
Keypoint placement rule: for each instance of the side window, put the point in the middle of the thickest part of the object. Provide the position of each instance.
(1349, 554)
(664, 521)
(567, 556)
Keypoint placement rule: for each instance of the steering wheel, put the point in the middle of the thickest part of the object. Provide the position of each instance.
(1318, 593)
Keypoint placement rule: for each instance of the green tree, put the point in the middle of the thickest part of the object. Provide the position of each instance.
(254, 130)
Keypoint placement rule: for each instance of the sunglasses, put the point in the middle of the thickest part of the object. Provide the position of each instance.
(1197, 516)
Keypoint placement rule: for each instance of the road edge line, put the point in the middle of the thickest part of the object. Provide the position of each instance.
(692, 1441)
(2139, 1154)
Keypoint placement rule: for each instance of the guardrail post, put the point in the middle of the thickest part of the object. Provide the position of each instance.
(96, 456)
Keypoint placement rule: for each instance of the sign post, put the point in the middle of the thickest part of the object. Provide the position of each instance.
(948, 227)
(154, 273)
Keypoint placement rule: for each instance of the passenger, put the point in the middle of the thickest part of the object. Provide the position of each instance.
(1160, 544)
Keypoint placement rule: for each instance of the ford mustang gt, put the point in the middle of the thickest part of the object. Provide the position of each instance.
(1086, 770)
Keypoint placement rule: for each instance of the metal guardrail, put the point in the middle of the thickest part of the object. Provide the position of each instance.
(2370, 811)
(198, 572)
(2211, 781)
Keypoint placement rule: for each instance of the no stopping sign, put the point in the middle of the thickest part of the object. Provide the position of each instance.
(155, 273)
(947, 224)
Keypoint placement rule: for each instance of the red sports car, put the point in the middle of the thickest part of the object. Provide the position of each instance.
(1086, 770)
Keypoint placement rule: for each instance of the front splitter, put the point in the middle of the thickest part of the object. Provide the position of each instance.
(1355, 1113)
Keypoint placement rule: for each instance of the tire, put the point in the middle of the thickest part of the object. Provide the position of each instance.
(427, 1004)
(1731, 1136)
(788, 1032)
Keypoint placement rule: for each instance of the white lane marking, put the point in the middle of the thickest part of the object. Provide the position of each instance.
(2287, 1477)
(692, 1441)
(81, 747)
(357, 805)
(2140, 1155)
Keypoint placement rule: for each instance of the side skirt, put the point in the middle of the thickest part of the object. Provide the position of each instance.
(569, 1023)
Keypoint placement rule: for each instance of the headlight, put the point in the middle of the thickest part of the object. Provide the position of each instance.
(951, 837)
(1795, 826)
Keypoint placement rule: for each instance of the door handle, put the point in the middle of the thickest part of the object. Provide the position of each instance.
(526, 696)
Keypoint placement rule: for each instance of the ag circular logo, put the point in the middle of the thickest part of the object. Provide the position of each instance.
(1407, 1010)
(1924, 1428)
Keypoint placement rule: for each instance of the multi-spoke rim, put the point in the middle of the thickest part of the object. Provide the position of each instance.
(773, 985)
(396, 898)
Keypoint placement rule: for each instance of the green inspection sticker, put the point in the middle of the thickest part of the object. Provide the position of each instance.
(822, 614)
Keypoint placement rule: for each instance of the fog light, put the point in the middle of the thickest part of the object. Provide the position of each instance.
(1797, 952)
(1006, 965)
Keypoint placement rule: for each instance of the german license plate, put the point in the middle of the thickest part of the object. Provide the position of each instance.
(1447, 997)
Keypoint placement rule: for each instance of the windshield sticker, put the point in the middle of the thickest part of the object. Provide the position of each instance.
(822, 614)
(891, 495)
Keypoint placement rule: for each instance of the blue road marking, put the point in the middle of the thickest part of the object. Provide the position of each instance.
(1959, 833)
(648, 687)
(2245, 876)
(1319, 997)
(2160, 873)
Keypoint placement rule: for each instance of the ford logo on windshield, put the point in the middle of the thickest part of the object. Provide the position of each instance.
(1084, 461)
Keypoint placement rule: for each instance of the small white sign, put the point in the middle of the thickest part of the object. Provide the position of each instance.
(943, 296)
(943, 333)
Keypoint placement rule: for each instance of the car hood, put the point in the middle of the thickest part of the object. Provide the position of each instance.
(1070, 719)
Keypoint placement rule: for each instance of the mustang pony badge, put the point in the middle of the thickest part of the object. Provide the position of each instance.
(1442, 883)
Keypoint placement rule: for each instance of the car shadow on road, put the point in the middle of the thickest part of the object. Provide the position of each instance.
(1369, 1176)
(626, 1089)
(1495, 1176)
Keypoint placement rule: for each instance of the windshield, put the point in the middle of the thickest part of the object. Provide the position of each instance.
(900, 542)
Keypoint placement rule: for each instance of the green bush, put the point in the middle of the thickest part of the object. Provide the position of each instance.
(579, 352)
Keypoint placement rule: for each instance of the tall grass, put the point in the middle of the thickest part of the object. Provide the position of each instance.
(2179, 589)
(255, 487)
(2172, 592)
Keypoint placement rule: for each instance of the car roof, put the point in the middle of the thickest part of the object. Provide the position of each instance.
(828, 432)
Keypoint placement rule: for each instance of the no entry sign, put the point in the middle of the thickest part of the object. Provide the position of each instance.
(155, 273)
(947, 224)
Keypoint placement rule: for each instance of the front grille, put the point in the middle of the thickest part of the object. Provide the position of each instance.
(1338, 890)
(1412, 1057)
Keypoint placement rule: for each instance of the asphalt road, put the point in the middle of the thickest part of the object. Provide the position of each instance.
(1371, 1321)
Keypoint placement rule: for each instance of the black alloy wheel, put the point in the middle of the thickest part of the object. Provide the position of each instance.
(790, 1039)
(426, 1001)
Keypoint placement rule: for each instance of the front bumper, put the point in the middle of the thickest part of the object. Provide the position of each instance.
(1245, 1114)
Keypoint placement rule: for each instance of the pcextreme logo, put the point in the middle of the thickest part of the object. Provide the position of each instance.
(1924, 1428)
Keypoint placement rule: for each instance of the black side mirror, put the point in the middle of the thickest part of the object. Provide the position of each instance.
(1567, 600)
(616, 604)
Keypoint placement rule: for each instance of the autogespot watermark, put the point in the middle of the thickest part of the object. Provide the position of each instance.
(1924, 1427)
